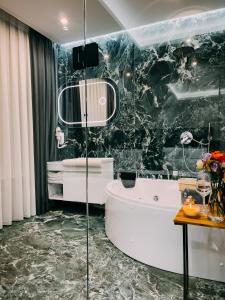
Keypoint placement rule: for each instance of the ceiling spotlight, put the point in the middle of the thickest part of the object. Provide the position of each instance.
(194, 63)
(128, 74)
(64, 21)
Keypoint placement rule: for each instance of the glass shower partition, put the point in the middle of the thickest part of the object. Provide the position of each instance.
(166, 93)
(110, 140)
(72, 149)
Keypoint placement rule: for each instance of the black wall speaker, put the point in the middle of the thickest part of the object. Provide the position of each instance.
(85, 56)
(78, 58)
(91, 55)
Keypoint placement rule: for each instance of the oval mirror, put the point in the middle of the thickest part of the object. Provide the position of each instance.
(102, 103)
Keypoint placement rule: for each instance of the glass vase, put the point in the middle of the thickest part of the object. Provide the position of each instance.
(216, 211)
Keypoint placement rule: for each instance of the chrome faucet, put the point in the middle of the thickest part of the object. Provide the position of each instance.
(165, 168)
(160, 176)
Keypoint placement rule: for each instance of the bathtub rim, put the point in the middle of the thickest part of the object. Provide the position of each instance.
(140, 202)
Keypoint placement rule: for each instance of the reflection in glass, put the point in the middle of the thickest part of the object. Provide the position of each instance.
(101, 103)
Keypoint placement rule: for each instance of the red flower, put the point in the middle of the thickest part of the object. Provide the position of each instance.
(218, 155)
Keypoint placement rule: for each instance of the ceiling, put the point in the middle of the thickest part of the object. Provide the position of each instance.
(102, 16)
(45, 15)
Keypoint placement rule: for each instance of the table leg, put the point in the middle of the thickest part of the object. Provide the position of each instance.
(185, 261)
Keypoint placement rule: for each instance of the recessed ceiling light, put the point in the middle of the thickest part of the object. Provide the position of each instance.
(128, 74)
(194, 63)
(64, 21)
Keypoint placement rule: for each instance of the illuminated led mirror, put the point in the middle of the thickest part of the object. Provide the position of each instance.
(102, 103)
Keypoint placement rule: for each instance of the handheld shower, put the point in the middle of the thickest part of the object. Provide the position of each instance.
(186, 138)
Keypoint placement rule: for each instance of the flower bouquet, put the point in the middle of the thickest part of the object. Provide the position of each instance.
(214, 164)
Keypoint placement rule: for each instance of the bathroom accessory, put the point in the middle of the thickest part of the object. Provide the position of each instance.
(187, 137)
(128, 179)
(66, 179)
(175, 174)
(156, 198)
(55, 180)
(143, 229)
(95, 101)
(165, 167)
(185, 54)
(100, 173)
(186, 49)
(59, 134)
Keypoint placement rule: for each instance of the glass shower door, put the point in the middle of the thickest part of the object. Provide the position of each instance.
(111, 272)
(161, 70)
(71, 262)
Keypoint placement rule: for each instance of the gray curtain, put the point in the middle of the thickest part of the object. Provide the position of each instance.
(43, 76)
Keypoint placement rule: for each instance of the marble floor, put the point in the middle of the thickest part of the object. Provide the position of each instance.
(44, 257)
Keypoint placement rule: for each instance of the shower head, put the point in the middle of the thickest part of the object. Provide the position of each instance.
(185, 50)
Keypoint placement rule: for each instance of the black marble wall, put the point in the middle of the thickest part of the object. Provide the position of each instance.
(173, 87)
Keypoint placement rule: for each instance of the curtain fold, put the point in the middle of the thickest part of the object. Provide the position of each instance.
(17, 187)
(43, 74)
(96, 102)
(70, 105)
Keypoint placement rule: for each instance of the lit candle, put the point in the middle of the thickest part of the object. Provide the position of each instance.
(191, 210)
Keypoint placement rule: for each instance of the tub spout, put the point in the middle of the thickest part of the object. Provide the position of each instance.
(166, 167)
(160, 176)
(167, 173)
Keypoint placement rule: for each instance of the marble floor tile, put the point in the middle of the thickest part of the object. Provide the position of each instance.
(45, 257)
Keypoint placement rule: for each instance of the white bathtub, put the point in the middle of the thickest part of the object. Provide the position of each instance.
(143, 229)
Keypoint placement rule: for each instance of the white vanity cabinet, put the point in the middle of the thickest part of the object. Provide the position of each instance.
(55, 180)
(67, 179)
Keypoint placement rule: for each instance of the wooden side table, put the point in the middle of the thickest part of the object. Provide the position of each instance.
(181, 219)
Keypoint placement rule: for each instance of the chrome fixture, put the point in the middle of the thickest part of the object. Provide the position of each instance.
(186, 49)
(187, 137)
(155, 198)
(59, 134)
(175, 174)
(165, 168)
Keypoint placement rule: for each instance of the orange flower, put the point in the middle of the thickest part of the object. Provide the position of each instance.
(218, 155)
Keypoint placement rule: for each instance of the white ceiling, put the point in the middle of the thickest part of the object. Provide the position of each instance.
(44, 16)
(134, 13)
(103, 16)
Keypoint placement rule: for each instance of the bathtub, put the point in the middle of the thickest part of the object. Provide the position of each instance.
(139, 222)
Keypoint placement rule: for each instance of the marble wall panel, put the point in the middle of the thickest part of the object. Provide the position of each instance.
(173, 87)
